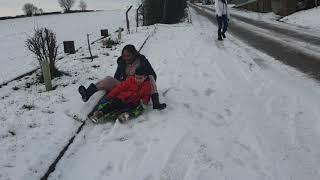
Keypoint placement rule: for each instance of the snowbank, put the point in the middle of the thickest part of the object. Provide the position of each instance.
(307, 18)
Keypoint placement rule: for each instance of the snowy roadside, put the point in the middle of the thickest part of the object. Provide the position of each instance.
(34, 127)
(308, 18)
(303, 22)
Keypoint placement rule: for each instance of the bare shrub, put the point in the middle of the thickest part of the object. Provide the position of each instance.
(29, 9)
(44, 45)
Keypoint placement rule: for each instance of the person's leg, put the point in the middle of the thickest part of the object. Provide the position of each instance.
(225, 25)
(107, 84)
(154, 88)
(219, 19)
(115, 104)
(155, 95)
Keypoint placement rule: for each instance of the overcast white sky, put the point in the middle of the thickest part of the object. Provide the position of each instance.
(14, 7)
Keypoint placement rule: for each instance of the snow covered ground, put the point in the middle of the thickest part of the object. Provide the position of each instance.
(34, 127)
(233, 113)
(308, 18)
(16, 59)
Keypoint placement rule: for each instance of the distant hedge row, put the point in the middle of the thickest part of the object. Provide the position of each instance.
(164, 11)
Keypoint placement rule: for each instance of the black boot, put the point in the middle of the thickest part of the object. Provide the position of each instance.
(220, 36)
(83, 92)
(156, 103)
(87, 93)
(223, 35)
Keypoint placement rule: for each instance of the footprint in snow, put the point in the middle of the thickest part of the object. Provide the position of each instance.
(228, 112)
(195, 92)
(186, 105)
(107, 170)
(205, 74)
(209, 91)
(149, 177)
(204, 159)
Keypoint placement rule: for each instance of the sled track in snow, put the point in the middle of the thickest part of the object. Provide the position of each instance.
(289, 54)
(52, 167)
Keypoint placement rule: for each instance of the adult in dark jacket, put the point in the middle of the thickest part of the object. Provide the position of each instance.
(128, 62)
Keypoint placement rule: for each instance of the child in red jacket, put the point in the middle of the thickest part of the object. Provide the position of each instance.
(128, 94)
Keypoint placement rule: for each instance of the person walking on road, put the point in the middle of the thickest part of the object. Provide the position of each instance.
(222, 14)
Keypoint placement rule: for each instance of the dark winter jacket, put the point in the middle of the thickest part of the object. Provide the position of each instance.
(121, 69)
(130, 92)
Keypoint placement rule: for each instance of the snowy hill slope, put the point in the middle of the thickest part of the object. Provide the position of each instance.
(233, 113)
(16, 59)
(33, 125)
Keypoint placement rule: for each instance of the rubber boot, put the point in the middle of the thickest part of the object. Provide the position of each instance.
(91, 90)
(83, 92)
(220, 36)
(223, 35)
(87, 93)
(156, 103)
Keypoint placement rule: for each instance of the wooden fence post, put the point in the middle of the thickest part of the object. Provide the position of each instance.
(137, 17)
(119, 34)
(88, 39)
(127, 18)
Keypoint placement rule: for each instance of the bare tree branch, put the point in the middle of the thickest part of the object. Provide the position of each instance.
(44, 45)
(66, 4)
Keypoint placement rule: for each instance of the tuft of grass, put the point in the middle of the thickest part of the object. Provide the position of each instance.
(28, 107)
(12, 133)
(92, 78)
(109, 43)
(15, 88)
(95, 66)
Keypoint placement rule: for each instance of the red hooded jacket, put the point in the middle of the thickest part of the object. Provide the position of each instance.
(130, 92)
